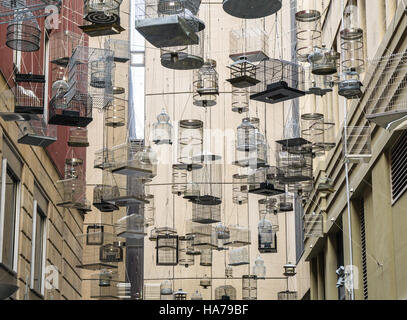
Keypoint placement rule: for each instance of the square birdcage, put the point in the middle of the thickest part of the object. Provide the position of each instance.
(294, 164)
(226, 292)
(130, 226)
(73, 193)
(103, 285)
(185, 259)
(387, 94)
(280, 81)
(239, 256)
(204, 235)
(206, 214)
(167, 250)
(243, 74)
(112, 252)
(120, 48)
(208, 178)
(264, 181)
(62, 44)
(268, 210)
(94, 235)
(29, 93)
(250, 43)
(151, 291)
(78, 137)
(37, 133)
(267, 236)
(100, 192)
(239, 236)
(357, 144)
(155, 232)
(313, 225)
(249, 287)
(287, 295)
(103, 159)
(166, 23)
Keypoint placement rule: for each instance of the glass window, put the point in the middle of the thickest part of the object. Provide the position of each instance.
(38, 249)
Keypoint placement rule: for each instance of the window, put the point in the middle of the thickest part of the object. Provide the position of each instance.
(399, 168)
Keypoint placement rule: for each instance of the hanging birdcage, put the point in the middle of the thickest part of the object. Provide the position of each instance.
(239, 236)
(351, 86)
(115, 114)
(190, 140)
(249, 287)
(100, 192)
(246, 136)
(167, 250)
(243, 73)
(265, 182)
(287, 295)
(101, 72)
(313, 225)
(357, 144)
(222, 235)
(180, 295)
(206, 214)
(267, 236)
(268, 211)
(166, 23)
(152, 291)
(250, 43)
(239, 256)
(74, 168)
(251, 9)
(318, 85)
(225, 292)
(204, 235)
(37, 133)
(240, 100)
(103, 159)
(62, 44)
(155, 232)
(259, 269)
(205, 258)
(29, 93)
(205, 282)
(162, 129)
(323, 61)
(73, 194)
(112, 252)
(239, 192)
(78, 137)
(312, 130)
(289, 270)
(286, 203)
(196, 296)
(120, 48)
(185, 259)
(166, 292)
(20, 10)
(131, 226)
(94, 235)
(24, 33)
(191, 249)
(309, 30)
(228, 272)
(149, 211)
(206, 85)
(294, 167)
(280, 81)
(103, 285)
(179, 179)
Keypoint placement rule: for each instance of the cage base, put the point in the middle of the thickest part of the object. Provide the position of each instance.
(105, 206)
(294, 142)
(70, 119)
(277, 92)
(206, 221)
(243, 82)
(99, 30)
(237, 243)
(267, 190)
(96, 266)
(253, 56)
(131, 171)
(286, 207)
(126, 201)
(162, 142)
(37, 140)
(294, 179)
(204, 103)
(251, 9)
(267, 250)
(384, 119)
(238, 264)
(28, 109)
(131, 235)
(189, 63)
(250, 163)
(11, 116)
(78, 144)
(207, 200)
(318, 91)
(62, 61)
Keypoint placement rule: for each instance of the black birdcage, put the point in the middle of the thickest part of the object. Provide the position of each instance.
(206, 214)
(94, 235)
(23, 33)
(243, 73)
(264, 181)
(75, 113)
(29, 93)
(101, 192)
(167, 250)
(267, 237)
(111, 252)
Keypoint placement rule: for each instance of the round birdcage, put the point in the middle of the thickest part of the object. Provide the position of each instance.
(73, 168)
(206, 85)
(116, 113)
(185, 259)
(240, 190)
(259, 269)
(166, 292)
(312, 130)
(179, 179)
(190, 140)
(249, 287)
(226, 292)
(309, 32)
(240, 100)
(323, 61)
(149, 211)
(206, 258)
(351, 86)
(99, 16)
(101, 71)
(24, 33)
(286, 203)
(162, 129)
(246, 136)
(102, 5)
(205, 282)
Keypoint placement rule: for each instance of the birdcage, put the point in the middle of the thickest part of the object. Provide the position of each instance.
(264, 181)
(155, 232)
(240, 100)
(78, 137)
(115, 114)
(351, 86)
(130, 227)
(100, 192)
(318, 85)
(166, 23)
(206, 214)
(37, 133)
(250, 43)
(208, 178)
(179, 179)
(94, 235)
(287, 295)
(180, 295)
(133, 159)
(149, 211)
(294, 167)
(313, 225)
(329, 132)
(112, 252)
(323, 61)
(192, 190)
(239, 256)
(259, 269)
(246, 136)
(228, 272)
(62, 44)
(313, 130)
(267, 236)
(74, 168)
(162, 129)
(268, 210)
(289, 270)
(206, 85)
(222, 235)
(103, 285)
(239, 236)
(185, 259)
(251, 9)
(249, 287)
(243, 73)
(29, 93)
(23, 33)
(205, 258)
(120, 48)
(280, 81)
(166, 292)
(196, 296)
(167, 250)
(103, 159)
(204, 235)
(20, 10)
(205, 282)
(226, 292)
(73, 193)
(152, 291)
(357, 144)
(101, 72)
(240, 194)
(309, 30)
(286, 203)
(190, 140)
(386, 104)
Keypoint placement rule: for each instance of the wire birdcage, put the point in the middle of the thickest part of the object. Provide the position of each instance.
(228, 272)
(149, 211)
(259, 269)
(62, 45)
(115, 113)
(287, 295)
(179, 179)
(167, 250)
(24, 33)
(120, 48)
(100, 192)
(196, 296)
(103, 285)
(246, 136)
(265, 182)
(251, 9)
(155, 232)
(309, 30)
(205, 282)
(267, 236)
(166, 292)
(280, 81)
(243, 73)
(268, 210)
(103, 159)
(162, 129)
(351, 86)
(206, 85)
(131, 226)
(294, 167)
(29, 93)
(226, 292)
(313, 225)
(318, 85)
(240, 189)
(323, 61)
(313, 130)
(73, 193)
(204, 235)
(249, 287)
(357, 144)
(240, 100)
(78, 137)
(37, 133)
(185, 259)
(206, 214)
(250, 43)
(239, 256)
(152, 291)
(239, 236)
(190, 140)
(180, 295)
(286, 203)
(74, 168)
(205, 258)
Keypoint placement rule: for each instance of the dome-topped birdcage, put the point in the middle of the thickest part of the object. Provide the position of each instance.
(249, 287)
(249, 43)
(167, 249)
(185, 259)
(130, 226)
(259, 269)
(205, 282)
(239, 256)
(323, 61)
(78, 137)
(166, 292)
(268, 210)
(240, 190)
(243, 73)
(180, 295)
(162, 129)
(226, 292)
(265, 182)
(24, 33)
(73, 168)
(190, 140)
(267, 236)
(206, 85)
(240, 100)
(251, 9)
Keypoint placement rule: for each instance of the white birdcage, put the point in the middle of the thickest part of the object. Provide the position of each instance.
(287, 295)
(239, 236)
(152, 291)
(268, 211)
(240, 100)
(130, 226)
(323, 61)
(162, 129)
(240, 189)
(313, 225)
(251, 9)
(239, 256)
(167, 249)
(249, 287)
(267, 236)
(190, 140)
(357, 144)
(179, 179)
(184, 259)
(37, 133)
(120, 48)
(246, 136)
(196, 296)
(259, 269)
(206, 214)
(166, 292)
(78, 137)
(250, 43)
(206, 85)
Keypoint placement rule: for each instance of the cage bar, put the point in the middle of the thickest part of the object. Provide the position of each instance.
(267, 236)
(357, 144)
(313, 225)
(226, 292)
(167, 250)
